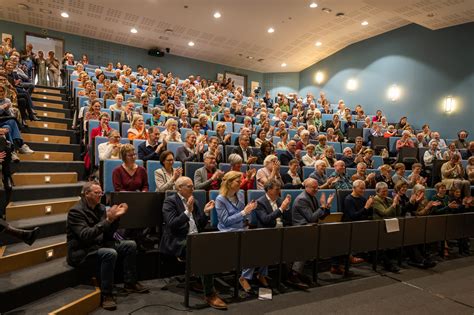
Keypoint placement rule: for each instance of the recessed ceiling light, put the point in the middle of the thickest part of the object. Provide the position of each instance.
(217, 15)
(133, 30)
(340, 14)
(364, 23)
(313, 5)
(327, 10)
(64, 15)
(271, 30)
(430, 15)
(191, 44)
(283, 65)
(318, 44)
(249, 57)
(23, 6)
(46, 11)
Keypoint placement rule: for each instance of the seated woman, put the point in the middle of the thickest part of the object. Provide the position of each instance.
(361, 174)
(378, 116)
(337, 126)
(183, 119)
(282, 144)
(293, 178)
(203, 122)
(232, 212)
(385, 176)
(169, 110)
(110, 150)
(452, 150)
(304, 140)
(401, 189)
(166, 176)
(261, 136)
(270, 170)
(402, 123)
(461, 142)
(367, 158)
(223, 137)
(248, 178)
(214, 148)
(452, 173)
(266, 149)
(9, 130)
(399, 174)
(155, 118)
(118, 105)
(367, 123)
(383, 123)
(331, 136)
(310, 158)
(93, 113)
(470, 170)
(137, 129)
(329, 157)
(129, 176)
(171, 134)
(415, 177)
(405, 141)
(320, 176)
(391, 132)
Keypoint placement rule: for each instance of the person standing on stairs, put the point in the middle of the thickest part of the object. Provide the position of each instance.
(91, 240)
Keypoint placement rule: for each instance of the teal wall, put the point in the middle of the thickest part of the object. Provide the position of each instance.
(285, 82)
(427, 65)
(101, 52)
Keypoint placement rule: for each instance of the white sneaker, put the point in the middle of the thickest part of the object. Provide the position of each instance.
(15, 157)
(25, 149)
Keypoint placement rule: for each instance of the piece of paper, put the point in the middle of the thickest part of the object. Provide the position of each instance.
(392, 225)
(264, 294)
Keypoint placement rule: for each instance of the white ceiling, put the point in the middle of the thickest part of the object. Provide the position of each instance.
(242, 29)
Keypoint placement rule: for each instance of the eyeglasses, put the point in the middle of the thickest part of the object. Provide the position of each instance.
(98, 193)
(169, 160)
(190, 186)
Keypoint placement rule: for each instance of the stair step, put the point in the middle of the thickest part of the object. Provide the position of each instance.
(82, 299)
(65, 111)
(48, 105)
(30, 284)
(49, 225)
(18, 210)
(21, 179)
(50, 131)
(61, 89)
(42, 113)
(33, 192)
(41, 90)
(47, 125)
(21, 247)
(66, 121)
(50, 100)
(47, 156)
(46, 138)
(74, 148)
(49, 166)
(47, 97)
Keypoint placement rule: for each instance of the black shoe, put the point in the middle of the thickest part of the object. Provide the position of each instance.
(392, 268)
(35, 118)
(427, 263)
(305, 279)
(417, 264)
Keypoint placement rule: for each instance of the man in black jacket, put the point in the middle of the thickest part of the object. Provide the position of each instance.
(91, 236)
(182, 216)
(271, 211)
(151, 148)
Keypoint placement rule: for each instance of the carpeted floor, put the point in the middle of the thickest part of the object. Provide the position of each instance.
(446, 289)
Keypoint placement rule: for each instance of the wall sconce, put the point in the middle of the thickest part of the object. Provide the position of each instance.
(319, 77)
(394, 93)
(448, 104)
(352, 84)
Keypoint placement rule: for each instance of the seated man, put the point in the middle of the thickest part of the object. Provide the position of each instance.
(452, 174)
(356, 206)
(90, 237)
(111, 149)
(208, 177)
(348, 158)
(289, 154)
(182, 216)
(244, 150)
(271, 211)
(190, 152)
(343, 182)
(307, 210)
(151, 148)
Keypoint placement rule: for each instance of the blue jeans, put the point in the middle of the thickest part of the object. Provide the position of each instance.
(107, 256)
(14, 132)
(248, 273)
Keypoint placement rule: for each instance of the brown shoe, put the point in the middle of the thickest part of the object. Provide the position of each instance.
(216, 302)
(136, 288)
(263, 281)
(108, 303)
(356, 260)
(245, 284)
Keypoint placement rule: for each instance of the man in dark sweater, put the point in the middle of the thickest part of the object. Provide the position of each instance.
(90, 238)
(356, 206)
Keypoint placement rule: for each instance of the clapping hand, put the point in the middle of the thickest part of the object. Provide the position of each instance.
(209, 206)
(250, 207)
(252, 159)
(190, 204)
(369, 202)
(177, 173)
(116, 211)
(286, 203)
(251, 173)
(3, 154)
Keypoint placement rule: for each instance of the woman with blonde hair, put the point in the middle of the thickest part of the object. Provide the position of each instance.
(129, 176)
(171, 134)
(270, 170)
(231, 213)
(137, 129)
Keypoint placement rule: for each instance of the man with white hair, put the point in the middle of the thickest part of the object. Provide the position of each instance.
(436, 137)
(356, 206)
(247, 132)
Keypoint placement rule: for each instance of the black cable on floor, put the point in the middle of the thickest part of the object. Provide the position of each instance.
(162, 305)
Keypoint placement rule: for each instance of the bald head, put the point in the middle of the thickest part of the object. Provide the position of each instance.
(311, 186)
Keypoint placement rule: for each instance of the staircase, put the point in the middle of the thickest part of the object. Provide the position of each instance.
(46, 184)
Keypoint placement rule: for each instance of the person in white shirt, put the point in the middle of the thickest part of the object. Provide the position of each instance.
(111, 149)
(436, 137)
(434, 153)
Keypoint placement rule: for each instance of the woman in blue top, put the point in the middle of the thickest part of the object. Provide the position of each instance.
(231, 213)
